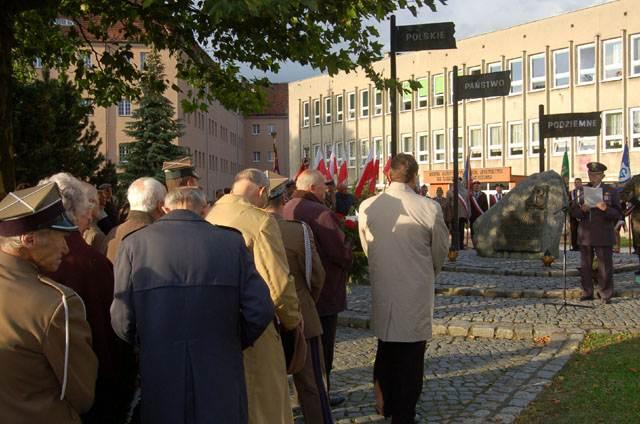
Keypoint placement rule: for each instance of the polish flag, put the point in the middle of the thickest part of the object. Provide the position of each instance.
(303, 167)
(374, 177)
(320, 165)
(387, 169)
(343, 174)
(368, 171)
(333, 164)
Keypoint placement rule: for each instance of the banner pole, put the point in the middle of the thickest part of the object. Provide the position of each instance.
(455, 226)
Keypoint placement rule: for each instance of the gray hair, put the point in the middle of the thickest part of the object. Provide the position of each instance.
(308, 178)
(256, 176)
(74, 197)
(145, 193)
(15, 242)
(191, 198)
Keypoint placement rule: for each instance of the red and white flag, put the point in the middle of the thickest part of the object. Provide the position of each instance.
(320, 164)
(303, 167)
(343, 174)
(333, 163)
(367, 172)
(374, 176)
(387, 169)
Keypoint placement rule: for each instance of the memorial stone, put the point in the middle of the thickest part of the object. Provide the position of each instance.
(527, 221)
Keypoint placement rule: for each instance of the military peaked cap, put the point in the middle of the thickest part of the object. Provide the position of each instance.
(596, 167)
(32, 209)
(277, 184)
(179, 168)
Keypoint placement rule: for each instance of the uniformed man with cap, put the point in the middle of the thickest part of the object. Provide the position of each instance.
(180, 173)
(596, 235)
(47, 368)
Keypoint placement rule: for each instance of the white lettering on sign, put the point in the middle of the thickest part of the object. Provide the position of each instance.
(573, 123)
(483, 84)
(425, 36)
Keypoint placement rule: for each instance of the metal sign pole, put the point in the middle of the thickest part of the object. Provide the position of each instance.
(393, 92)
(541, 135)
(454, 224)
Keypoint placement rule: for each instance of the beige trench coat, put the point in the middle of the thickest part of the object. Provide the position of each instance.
(406, 240)
(264, 363)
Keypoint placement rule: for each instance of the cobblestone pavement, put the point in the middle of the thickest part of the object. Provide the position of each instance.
(466, 380)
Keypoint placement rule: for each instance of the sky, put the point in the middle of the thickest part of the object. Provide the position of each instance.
(472, 17)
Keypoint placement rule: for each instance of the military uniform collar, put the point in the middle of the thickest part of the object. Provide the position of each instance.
(231, 198)
(16, 263)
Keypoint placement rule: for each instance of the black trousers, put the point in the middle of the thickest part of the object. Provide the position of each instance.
(461, 224)
(604, 272)
(329, 325)
(573, 224)
(398, 369)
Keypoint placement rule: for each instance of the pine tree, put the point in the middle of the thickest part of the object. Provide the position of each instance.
(153, 128)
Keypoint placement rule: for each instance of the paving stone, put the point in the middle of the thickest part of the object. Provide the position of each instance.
(458, 329)
(504, 333)
(482, 330)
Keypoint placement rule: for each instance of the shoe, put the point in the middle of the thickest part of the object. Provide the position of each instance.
(335, 400)
(584, 297)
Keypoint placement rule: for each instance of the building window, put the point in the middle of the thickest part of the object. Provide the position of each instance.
(339, 108)
(143, 60)
(316, 112)
(516, 140)
(438, 90)
(494, 132)
(494, 67)
(86, 58)
(124, 108)
(377, 147)
(475, 142)
(561, 68)
(534, 137)
(352, 153)
(586, 64)
(270, 156)
(611, 59)
(515, 66)
(256, 157)
(438, 146)
(634, 49)
(351, 105)
(634, 122)
(423, 147)
(423, 93)
(364, 150)
(123, 151)
(460, 144)
(586, 145)
(407, 143)
(305, 114)
(305, 152)
(88, 103)
(613, 130)
(407, 96)
(255, 129)
(339, 152)
(316, 151)
(364, 103)
(561, 145)
(271, 129)
(537, 72)
(327, 110)
(37, 63)
(377, 102)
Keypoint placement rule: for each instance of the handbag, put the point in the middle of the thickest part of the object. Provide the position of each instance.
(294, 343)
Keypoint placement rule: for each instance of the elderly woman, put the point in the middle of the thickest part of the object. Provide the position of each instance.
(93, 235)
(90, 274)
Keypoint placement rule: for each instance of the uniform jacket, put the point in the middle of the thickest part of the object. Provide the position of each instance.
(406, 240)
(463, 203)
(90, 274)
(482, 203)
(134, 222)
(334, 249)
(187, 292)
(596, 226)
(32, 348)
(293, 239)
(265, 368)
(631, 195)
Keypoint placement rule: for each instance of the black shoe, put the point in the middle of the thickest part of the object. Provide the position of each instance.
(585, 297)
(335, 400)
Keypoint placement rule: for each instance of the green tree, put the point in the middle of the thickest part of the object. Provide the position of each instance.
(329, 35)
(52, 132)
(152, 127)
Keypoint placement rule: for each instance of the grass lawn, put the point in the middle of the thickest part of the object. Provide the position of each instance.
(600, 384)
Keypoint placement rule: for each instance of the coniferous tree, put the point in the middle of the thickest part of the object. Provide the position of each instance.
(153, 128)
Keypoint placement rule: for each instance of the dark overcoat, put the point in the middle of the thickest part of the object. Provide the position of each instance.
(596, 226)
(188, 293)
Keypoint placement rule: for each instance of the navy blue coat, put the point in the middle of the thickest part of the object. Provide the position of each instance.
(188, 294)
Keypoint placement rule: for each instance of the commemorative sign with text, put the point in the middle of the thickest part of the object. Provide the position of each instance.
(484, 85)
(571, 125)
(409, 38)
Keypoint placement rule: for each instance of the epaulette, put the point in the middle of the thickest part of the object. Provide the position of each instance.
(224, 227)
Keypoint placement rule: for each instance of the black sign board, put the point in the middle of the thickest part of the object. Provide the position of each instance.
(409, 38)
(484, 85)
(571, 125)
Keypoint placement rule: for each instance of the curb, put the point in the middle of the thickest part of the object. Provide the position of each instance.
(490, 330)
(573, 293)
(573, 272)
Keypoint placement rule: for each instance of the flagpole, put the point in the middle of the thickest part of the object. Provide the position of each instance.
(454, 224)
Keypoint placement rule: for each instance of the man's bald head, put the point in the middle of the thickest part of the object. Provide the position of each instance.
(312, 181)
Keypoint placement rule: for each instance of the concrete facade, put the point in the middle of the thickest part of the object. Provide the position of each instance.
(584, 61)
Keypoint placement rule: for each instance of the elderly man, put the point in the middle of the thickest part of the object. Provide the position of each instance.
(308, 206)
(306, 268)
(265, 369)
(406, 240)
(47, 366)
(90, 274)
(596, 234)
(146, 198)
(192, 312)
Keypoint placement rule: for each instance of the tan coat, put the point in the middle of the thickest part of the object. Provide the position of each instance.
(406, 240)
(264, 363)
(134, 222)
(293, 239)
(32, 348)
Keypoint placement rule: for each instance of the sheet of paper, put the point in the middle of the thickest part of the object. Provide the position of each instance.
(592, 196)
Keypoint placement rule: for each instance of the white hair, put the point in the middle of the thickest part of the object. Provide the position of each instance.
(145, 193)
(92, 194)
(191, 198)
(308, 178)
(74, 197)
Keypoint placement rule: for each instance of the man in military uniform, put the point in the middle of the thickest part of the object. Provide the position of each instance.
(180, 173)
(47, 366)
(595, 234)
(631, 195)
(479, 205)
